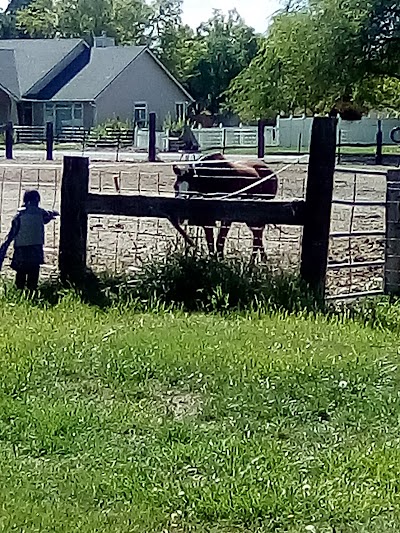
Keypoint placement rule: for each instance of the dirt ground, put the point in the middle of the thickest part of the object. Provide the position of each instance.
(122, 244)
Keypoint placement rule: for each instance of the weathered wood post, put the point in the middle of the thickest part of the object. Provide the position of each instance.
(321, 169)
(379, 143)
(118, 147)
(261, 139)
(223, 140)
(299, 144)
(74, 219)
(9, 140)
(152, 137)
(339, 148)
(392, 248)
(49, 141)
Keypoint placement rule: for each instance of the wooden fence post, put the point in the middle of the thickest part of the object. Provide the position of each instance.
(299, 144)
(9, 140)
(152, 137)
(321, 169)
(392, 248)
(49, 141)
(379, 143)
(339, 148)
(261, 139)
(118, 147)
(223, 140)
(74, 219)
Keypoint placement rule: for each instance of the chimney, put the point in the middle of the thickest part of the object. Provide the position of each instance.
(104, 41)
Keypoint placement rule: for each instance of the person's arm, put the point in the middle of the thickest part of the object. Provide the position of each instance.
(15, 225)
(48, 216)
(10, 237)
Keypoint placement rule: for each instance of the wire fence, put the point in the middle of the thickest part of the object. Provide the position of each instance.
(14, 180)
(123, 244)
(358, 229)
(126, 243)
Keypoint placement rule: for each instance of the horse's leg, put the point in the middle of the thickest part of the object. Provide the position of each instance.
(225, 227)
(258, 245)
(209, 232)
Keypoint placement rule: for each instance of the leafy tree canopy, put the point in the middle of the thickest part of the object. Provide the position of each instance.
(323, 54)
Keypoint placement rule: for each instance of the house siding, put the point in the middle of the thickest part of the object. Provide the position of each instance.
(88, 115)
(143, 81)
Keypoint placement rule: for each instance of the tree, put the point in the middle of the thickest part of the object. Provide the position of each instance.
(214, 55)
(130, 21)
(325, 54)
(8, 29)
(178, 49)
(40, 19)
(15, 5)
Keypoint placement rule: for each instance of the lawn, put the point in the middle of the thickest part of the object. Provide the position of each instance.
(116, 421)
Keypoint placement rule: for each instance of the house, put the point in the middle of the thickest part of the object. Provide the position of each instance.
(69, 83)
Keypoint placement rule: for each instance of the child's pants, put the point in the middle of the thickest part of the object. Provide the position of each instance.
(27, 277)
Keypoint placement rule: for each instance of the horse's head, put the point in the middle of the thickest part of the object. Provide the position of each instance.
(184, 176)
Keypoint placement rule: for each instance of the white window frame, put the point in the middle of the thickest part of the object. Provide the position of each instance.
(141, 106)
(77, 106)
(184, 109)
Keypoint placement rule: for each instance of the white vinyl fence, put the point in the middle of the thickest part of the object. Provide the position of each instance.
(213, 138)
(295, 132)
(290, 133)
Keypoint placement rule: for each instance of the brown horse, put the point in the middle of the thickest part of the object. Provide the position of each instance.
(214, 174)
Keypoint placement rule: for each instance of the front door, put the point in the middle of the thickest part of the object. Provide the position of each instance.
(25, 113)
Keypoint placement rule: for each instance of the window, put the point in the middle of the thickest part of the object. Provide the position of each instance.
(64, 115)
(49, 113)
(179, 111)
(140, 114)
(78, 112)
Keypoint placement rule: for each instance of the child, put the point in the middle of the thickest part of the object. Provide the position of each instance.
(27, 232)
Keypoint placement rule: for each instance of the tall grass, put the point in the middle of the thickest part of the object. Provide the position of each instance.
(192, 282)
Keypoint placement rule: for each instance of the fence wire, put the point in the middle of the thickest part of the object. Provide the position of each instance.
(126, 243)
(14, 180)
(357, 243)
(123, 244)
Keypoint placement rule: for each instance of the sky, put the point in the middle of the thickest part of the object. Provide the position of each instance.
(255, 12)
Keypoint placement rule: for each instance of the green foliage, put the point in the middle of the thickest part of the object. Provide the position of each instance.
(112, 125)
(130, 21)
(175, 127)
(197, 282)
(324, 54)
(192, 282)
(222, 48)
(15, 5)
(8, 29)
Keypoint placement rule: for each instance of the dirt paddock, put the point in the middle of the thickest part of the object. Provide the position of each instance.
(123, 244)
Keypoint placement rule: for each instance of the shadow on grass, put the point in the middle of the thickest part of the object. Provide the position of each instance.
(189, 282)
(192, 282)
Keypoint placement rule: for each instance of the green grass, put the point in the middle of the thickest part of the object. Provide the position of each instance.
(113, 420)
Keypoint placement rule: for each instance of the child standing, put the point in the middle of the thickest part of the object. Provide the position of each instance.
(27, 232)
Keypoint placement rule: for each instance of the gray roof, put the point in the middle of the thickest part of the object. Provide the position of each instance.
(34, 58)
(8, 73)
(104, 66)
